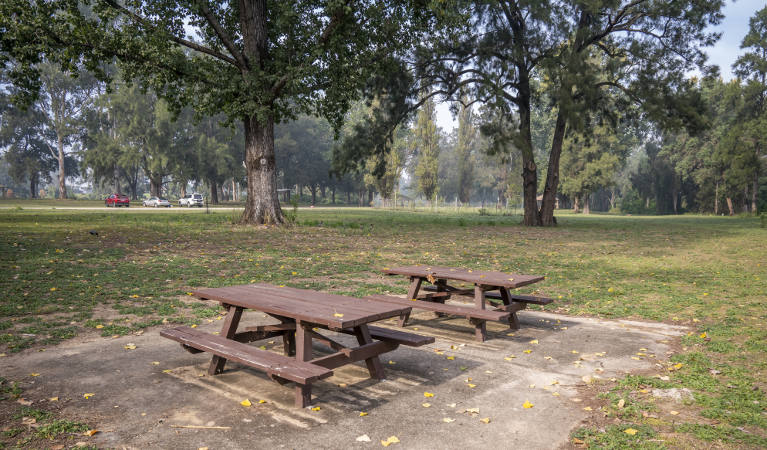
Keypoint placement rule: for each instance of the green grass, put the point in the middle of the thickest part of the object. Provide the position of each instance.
(701, 271)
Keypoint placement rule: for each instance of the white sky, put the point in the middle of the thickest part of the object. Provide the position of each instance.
(734, 27)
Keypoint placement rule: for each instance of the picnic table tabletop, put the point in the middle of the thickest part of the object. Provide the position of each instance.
(331, 310)
(480, 277)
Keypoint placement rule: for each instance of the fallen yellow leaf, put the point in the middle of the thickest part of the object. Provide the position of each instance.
(534, 341)
(316, 408)
(246, 403)
(34, 374)
(703, 335)
(53, 399)
(448, 420)
(363, 414)
(451, 358)
(485, 420)
(88, 395)
(338, 315)
(472, 385)
(674, 413)
(155, 363)
(99, 326)
(587, 408)
(527, 405)
(426, 405)
(262, 401)
(130, 346)
(389, 441)
(428, 394)
(509, 358)
(630, 431)
(91, 432)
(392, 362)
(527, 351)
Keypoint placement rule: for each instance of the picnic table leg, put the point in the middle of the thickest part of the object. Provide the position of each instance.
(303, 347)
(415, 285)
(480, 329)
(228, 330)
(374, 364)
(506, 298)
(303, 343)
(289, 343)
(441, 287)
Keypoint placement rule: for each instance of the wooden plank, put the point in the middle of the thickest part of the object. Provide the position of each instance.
(490, 278)
(366, 351)
(228, 330)
(400, 337)
(373, 363)
(454, 310)
(334, 311)
(534, 299)
(272, 363)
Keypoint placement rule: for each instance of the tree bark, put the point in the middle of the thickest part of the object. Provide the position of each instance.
(183, 189)
(155, 186)
(716, 198)
(586, 207)
(529, 169)
(552, 174)
(754, 191)
(62, 170)
(213, 192)
(263, 205)
(313, 190)
(576, 204)
(730, 207)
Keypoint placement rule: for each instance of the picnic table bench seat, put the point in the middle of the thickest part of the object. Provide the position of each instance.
(454, 310)
(492, 295)
(278, 367)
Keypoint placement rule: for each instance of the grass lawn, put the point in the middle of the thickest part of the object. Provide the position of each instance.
(59, 281)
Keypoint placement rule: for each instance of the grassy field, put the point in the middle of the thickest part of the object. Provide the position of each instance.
(60, 281)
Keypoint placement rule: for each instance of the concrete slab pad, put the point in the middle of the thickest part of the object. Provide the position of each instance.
(142, 396)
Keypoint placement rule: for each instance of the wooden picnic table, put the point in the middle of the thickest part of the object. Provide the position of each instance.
(484, 285)
(300, 314)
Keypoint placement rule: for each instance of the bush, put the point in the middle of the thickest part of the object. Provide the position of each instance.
(632, 203)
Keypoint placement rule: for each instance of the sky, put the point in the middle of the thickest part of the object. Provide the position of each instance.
(734, 27)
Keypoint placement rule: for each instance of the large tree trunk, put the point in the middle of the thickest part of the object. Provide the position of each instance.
(155, 186)
(716, 199)
(529, 169)
(213, 192)
(576, 204)
(754, 193)
(183, 189)
(32, 186)
(730, 207)
(262, 205)
(313, 190)
(552, 174)
(586, 207)
(62, 170)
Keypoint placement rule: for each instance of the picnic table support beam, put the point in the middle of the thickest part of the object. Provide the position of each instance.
(228, 330)
(441, 286)
(373, 363)
(506, 299)
(303, 395)
(303, 342)
(480, 327)
(412, 292)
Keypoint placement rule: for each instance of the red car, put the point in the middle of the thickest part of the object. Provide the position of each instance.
(117, 200)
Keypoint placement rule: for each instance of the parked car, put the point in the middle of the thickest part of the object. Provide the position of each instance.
(156, 202)
(191, 200)
(117, 200)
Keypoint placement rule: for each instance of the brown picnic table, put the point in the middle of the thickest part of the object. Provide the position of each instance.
(300, 314)
(487, 285)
